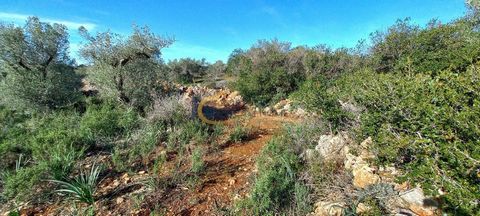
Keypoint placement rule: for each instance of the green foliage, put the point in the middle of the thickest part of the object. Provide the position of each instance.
(185, 70)
(126, 69)
(82, 187)
(107, 120)
(428, 126)
(239, 133)
(271, 70)
(197, 166)
(276, 183)
(37, 74)
(269, 79)
(19, 184)
(314, 96)
(62, 161)
(141, 144)
(190, 131)
(437, 47)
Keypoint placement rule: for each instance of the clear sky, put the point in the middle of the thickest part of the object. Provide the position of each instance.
(213, 29)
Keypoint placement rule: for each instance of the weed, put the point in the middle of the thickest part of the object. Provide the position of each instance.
(239, 133)
(82, 187)
(197, 166)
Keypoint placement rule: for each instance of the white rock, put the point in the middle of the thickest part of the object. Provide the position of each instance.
(330, 145)
(267, 110)
(416, 201)
(329, 208)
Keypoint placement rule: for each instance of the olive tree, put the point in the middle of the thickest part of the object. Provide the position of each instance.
(125, 68)
(36, 72)
(185, 70)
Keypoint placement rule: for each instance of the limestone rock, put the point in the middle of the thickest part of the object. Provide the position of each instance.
(362, 208)
(119, 200)
(300, 112)
(363, 176)
(331, 145)
(329, 208)
(267, 110)
(416, 201)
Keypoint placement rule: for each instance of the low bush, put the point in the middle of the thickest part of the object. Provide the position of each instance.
(276, 187)
(19, 184)
(107, 120)
(239, 133)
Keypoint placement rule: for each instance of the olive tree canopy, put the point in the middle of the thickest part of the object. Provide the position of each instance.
(125, 68)
(36, 72)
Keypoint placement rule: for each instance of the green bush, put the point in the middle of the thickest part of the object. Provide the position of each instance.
(20, 183)
(83, 186)
(314, 96)
(411, 49)
(239, 133)
(427, 126)
(276, 183)
(107, 121)
(141, 144)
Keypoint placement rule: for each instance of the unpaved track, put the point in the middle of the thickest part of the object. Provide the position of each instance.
(228, 171)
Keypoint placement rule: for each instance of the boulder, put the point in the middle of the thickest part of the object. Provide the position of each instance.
(362, 208)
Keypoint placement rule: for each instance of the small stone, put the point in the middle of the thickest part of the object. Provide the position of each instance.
(267, 110)
(401, 187)
(116, 183)
(300, 112)
(119, 200)
(309, 154)
(329, 208)
(415, 201)
(362, 208)
(141, 172)
(367, 143)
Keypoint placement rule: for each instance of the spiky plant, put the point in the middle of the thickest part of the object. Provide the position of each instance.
(82, 187)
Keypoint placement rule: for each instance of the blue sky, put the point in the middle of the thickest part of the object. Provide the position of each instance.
(213, 29)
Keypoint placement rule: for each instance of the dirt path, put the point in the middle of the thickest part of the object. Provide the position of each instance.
(228, 171)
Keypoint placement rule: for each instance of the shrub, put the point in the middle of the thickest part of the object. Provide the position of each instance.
(426, 126)
(197, 166)
(275, 185)
(20, 183)
(107, 120)
(314, 96)
(411, 49)
(169, 109)
(185, 70)
(140, 145)
(268, 79)
(239, 133)
(62, 161)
